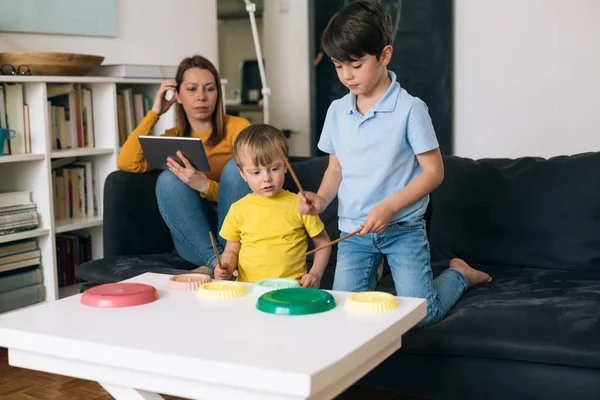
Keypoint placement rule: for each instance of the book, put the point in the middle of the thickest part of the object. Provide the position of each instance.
(10, 199)
(138, 108)
(27, 128)
(3, 146)
(121, 118)
(4, 119)
(22, 218)
(14, 116)
(19, 279)
(18, 246)
(19, 256)
(20, 264)
(22, 297)
(129, 113)
(88, 187)
(89, 139)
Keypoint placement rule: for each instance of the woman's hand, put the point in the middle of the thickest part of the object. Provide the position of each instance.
(188, 174)
(161, 104)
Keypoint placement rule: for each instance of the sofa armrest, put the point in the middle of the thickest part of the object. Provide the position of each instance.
(132, 222)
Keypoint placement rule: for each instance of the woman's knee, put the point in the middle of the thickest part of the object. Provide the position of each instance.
(230, 171)
(167, 183)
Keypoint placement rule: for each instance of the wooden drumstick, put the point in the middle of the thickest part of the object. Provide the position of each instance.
(214, 246)
(333, 242)
(289, 167)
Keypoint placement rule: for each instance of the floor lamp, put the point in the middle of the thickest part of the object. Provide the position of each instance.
(266, 91)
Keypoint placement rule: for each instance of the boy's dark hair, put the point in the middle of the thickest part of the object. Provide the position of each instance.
(363, 27)
(260, 143)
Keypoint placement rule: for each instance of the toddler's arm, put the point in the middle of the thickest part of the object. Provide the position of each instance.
(229, 260)
(314, 204)
(430, 177)
(313, 278)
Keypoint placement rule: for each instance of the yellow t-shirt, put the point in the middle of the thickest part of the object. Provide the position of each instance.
(272, 235)
(132, 159)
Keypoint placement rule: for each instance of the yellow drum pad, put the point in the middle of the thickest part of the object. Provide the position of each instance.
(221, 290)
(370, 302)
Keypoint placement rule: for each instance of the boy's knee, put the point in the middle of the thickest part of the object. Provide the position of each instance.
(431, 318)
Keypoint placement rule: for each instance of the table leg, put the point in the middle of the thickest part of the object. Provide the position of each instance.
(127, 393)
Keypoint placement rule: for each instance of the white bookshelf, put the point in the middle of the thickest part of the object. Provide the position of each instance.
(33, 171)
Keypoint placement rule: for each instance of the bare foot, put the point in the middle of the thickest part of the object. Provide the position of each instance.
(473, 276)
(203, 270)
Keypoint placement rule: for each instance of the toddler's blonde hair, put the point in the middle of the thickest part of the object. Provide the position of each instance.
(259, 143)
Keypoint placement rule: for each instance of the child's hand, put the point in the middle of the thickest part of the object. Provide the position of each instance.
(310, 281)
(377, 219)
(310, 203)
(222, 272)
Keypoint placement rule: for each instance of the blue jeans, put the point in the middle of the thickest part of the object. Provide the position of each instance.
(190, 217)
(406, 246)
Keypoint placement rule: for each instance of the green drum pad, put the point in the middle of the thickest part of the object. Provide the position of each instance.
(296, 301)
(268, 285)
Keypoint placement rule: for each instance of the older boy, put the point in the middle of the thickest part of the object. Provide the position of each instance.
(384, 161)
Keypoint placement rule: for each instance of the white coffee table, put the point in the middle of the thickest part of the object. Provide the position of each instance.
(201, 349)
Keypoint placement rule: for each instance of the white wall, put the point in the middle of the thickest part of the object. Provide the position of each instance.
(149, 32)
(527, 77)
(235, 45)
(287, 65)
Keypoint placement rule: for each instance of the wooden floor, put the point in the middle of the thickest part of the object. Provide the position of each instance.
(23, 384)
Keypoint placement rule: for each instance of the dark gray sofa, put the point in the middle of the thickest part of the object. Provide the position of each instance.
(533, 224)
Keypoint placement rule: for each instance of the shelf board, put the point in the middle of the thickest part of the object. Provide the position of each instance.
(68, 225)
(24, 235)
(87, 151)
(76, 79)
(21, 158)
(83, 79)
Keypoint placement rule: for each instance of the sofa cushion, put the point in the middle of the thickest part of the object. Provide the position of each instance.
(528, 212)
(527, 314)
(115, 269)
(118, 268)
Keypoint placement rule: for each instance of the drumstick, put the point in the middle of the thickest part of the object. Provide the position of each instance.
(214, 246)
(289, 167)
(334, 242)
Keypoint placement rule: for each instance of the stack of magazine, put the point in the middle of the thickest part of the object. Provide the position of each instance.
(17, 212)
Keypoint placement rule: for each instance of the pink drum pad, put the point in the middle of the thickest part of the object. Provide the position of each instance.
(112, 295)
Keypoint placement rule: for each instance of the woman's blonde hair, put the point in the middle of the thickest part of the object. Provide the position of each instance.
(261, 143)
(218, 116)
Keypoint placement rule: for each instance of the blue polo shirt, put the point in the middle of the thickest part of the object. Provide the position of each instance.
(377, 151)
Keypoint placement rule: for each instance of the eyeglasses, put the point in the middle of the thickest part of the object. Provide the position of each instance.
(8, 69)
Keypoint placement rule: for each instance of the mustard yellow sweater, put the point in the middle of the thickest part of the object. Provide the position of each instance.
(132, 159)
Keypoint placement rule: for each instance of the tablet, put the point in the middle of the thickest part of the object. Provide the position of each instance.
(158, 148)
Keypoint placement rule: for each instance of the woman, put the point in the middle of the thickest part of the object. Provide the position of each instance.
(187, 198)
